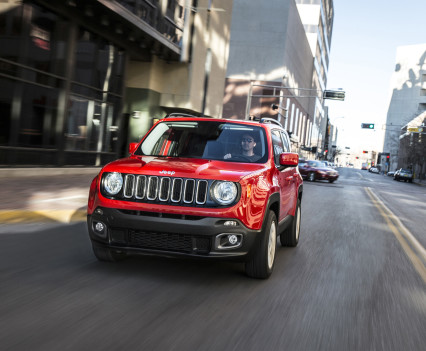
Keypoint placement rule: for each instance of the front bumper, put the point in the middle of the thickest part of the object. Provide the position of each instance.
(322, 176)
(138, 232)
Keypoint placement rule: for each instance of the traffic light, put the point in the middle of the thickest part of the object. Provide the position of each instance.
(365, 152)
(367, 125)
(387, 156)
(357, 157)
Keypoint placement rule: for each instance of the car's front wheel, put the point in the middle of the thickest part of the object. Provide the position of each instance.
(262, 263)
(290, 236)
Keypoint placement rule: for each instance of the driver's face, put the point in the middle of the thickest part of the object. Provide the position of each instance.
(247, 142)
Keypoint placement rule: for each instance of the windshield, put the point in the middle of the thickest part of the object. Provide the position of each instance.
(316, 164)
(207, 140)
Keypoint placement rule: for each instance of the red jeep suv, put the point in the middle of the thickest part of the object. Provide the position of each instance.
(200, 187)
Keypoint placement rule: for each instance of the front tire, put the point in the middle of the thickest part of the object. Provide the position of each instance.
(290, 236)
(261, 264)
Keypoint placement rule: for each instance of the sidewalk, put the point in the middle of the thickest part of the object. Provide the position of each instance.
(44, 194)
(421, 182)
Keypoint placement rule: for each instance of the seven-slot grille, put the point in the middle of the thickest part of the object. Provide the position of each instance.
(165, 189)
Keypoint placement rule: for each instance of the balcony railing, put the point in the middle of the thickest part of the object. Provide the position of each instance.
(170, 25)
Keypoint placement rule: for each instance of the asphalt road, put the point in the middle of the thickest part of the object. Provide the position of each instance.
(355, 282)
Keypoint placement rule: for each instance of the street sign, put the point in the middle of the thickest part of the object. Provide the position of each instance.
(367, 125)
(334, 95)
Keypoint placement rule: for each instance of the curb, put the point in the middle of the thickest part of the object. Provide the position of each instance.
(42, 216)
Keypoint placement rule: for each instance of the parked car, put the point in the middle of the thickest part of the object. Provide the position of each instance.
(390, 174)
(313, 170)
(404, 174)
(373, 170)
(203, 188)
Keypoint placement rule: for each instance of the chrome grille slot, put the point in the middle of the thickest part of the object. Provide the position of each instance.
(164, 189)
(177, 190)
(152, 188)
(188, 195)
(201, 196)
(140, 187)
(129, 185)
(170, 190)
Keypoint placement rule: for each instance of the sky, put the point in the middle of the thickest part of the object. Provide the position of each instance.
(366, 34)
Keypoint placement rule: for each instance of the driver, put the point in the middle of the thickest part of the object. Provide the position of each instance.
(247, 145)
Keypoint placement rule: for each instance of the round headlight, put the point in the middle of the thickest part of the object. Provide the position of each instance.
(113, 183)
(224, 193)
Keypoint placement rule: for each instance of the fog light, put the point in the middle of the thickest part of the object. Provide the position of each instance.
(232, 239)
(99, 227)
(227, 241)
(99, 211)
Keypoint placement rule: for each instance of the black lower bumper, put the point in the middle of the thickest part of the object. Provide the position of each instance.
(137, 232)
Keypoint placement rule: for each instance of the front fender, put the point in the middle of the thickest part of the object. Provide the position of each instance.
(257, 196)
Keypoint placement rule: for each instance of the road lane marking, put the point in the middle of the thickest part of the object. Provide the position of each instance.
(65, 198)
(28, 216)
(400, 231)
(410, 237)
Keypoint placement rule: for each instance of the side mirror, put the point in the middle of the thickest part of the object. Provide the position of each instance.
(132, 147)
(289, 159)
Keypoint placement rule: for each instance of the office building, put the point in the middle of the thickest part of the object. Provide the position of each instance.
(408, 100)
(80, 79)
(279, 53)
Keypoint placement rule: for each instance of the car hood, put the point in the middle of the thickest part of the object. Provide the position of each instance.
(183, 167)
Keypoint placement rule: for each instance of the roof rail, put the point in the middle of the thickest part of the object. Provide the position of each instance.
(178, 114)
(270, 120)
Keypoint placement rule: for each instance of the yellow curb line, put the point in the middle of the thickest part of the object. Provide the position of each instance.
(48, 216)
(400, 232)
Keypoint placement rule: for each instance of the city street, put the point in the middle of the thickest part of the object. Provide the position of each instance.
(356, 281)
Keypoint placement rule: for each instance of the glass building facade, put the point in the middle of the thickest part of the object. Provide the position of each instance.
(65, 99)
(60, 90)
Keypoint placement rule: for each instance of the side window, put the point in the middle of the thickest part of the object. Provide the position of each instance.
(286, 142)
(278, 145)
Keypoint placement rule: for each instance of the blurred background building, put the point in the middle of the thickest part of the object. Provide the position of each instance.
(80, 79)
(406, 112)
(279, 54)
